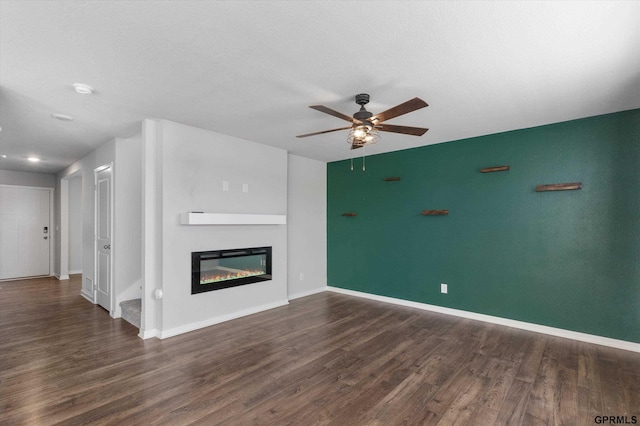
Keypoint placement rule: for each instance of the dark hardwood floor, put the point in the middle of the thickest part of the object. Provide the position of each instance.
(324, 359)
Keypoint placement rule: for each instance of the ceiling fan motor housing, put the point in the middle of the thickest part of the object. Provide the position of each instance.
(362, 99)
(363, 115)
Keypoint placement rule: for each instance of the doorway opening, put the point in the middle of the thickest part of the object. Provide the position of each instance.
(70, 229)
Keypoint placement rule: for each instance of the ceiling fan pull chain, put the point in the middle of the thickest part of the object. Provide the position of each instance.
(363, 166)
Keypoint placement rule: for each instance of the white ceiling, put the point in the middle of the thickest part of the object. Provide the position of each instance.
(251, 68)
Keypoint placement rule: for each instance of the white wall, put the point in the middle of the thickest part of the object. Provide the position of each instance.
(192, 165)
(151, 168)
(127, 211)
(125, 154)
(171, 168)
(306, 226)
(8, 177)
(105, 154)
(75, 225)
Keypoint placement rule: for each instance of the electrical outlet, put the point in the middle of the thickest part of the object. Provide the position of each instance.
(443, 288)
(225, 185)
(301, 276)
(245, 187)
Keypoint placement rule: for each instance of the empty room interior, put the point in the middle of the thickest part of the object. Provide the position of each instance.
(319, 212)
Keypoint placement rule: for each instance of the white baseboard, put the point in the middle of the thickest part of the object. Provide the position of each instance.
(163, 334)
(307, 293)
(62, 277)
(147, 334)
(559, 332)
(75, 272)
(26, 278)
(87, 296)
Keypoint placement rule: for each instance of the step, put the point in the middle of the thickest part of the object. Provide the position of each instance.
(132, 311)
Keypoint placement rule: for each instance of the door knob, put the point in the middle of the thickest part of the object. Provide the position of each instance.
(107, 246)
(45, 237)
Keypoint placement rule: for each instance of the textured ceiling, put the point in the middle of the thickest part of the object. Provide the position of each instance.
(251, 68)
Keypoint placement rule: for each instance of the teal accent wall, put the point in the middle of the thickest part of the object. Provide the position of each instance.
(565, 259)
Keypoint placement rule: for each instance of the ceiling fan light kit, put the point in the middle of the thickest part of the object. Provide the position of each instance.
(365, 127)
(362, 135)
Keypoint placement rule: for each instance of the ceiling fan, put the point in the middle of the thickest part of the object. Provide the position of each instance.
(365, 126)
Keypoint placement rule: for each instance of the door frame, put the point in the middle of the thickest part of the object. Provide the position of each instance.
(97, 170)
(52, 233)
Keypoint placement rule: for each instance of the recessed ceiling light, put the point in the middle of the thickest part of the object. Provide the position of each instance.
(83, 89)
(33, 159)
(62, 117)
(3, 155)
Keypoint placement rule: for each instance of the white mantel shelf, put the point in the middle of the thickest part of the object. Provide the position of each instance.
(191, 218)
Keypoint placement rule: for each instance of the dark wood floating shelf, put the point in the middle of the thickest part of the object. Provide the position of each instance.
(494, 169)
(391, 179)
(434, 212)
(350, 214)
(559, 187)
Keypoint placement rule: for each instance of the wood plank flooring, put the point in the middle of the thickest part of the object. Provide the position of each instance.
(324, 359)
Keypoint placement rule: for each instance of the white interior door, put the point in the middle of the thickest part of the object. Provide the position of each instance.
(24, 232)
(103, 238)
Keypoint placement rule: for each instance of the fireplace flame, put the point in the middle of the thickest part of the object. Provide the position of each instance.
(214, 277)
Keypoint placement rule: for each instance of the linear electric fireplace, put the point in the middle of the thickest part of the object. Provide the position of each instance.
(215, 270)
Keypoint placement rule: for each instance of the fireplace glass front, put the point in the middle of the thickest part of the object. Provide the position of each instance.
(215, 270)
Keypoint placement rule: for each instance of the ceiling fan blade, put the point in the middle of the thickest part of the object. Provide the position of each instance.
(333, 112)
(404, 108)
(324, 131)
(406, 130)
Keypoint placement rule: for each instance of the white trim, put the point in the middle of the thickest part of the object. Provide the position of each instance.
(112, 242)
(117, 313)
(75, 272)
(62, 277)
(52, 232)
(103, 167)
(86, 283)
(191, 218)
(24, 278)
(5, 185)
(86, 296)
(307, 293)
(147, 334)
(559, 332)
(163, 334)
(63, 235)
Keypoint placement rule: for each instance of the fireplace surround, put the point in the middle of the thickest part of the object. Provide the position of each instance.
(219, 269)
